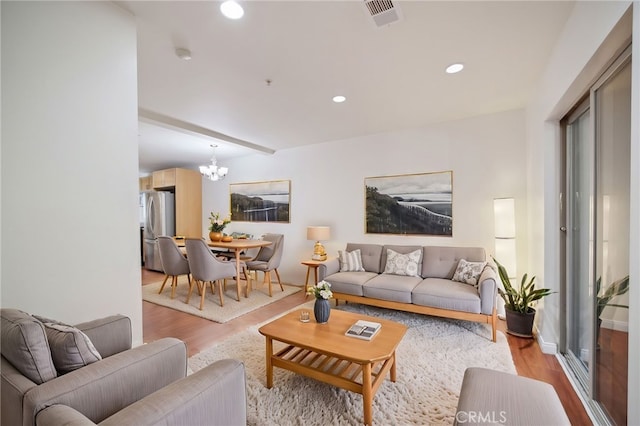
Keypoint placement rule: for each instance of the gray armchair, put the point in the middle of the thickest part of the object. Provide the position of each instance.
(146, 385)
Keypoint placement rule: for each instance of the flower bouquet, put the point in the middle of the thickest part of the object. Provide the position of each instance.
(217, 223)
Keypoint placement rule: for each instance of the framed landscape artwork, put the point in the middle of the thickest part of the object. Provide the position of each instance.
(260, 201)
(416, 204)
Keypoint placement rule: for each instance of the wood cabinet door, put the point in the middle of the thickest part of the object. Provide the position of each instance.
(145, 183)
(163, 178)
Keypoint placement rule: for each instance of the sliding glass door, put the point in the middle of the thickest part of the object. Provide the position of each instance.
(597, 244)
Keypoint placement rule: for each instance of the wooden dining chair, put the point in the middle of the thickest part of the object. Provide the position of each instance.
(173, 262)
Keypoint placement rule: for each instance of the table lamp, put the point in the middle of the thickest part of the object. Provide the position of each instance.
(318, 233)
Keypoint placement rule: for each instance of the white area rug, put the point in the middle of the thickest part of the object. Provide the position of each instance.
(432, 359)
(212, 310)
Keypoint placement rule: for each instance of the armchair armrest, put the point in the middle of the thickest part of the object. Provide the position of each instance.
(61, 415)
(105, 387)
(110, 335)
(327, 268)
(488, 290)
(215, 395)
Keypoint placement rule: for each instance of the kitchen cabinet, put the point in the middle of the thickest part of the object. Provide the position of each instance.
(145, 183)
(162, 179)
(187, 188)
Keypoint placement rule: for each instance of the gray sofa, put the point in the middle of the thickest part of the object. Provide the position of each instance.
(431, 292)
(43, 384)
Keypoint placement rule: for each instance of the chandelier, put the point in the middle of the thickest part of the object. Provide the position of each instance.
(212, 171)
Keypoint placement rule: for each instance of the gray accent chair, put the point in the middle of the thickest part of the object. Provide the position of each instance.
(174, 263)
(206, 268)
(145, 385)
(494, 397)
(268, 259)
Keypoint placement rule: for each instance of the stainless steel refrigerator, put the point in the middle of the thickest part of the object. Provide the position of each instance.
(160, 214)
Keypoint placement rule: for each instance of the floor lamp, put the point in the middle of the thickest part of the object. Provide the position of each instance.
(504, 213)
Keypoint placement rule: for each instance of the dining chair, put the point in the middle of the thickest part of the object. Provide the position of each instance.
(268, 259)
(206, 268)
(173, 263)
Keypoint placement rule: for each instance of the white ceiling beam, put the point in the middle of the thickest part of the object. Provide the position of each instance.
(195, 130)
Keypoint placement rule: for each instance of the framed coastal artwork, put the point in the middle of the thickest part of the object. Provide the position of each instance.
(414, 204)
(267, 201)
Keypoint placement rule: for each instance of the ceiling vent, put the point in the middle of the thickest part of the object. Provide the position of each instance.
(383, 12)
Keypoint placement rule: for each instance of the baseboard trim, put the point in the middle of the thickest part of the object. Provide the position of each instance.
(549, 348)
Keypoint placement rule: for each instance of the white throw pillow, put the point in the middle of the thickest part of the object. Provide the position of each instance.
(468, 272)
(350, 261)
(403, 264)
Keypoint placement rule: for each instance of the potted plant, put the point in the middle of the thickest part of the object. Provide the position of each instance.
(603, 298)
(518, 303)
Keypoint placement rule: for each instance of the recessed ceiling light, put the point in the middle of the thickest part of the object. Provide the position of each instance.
(338, 99)
(231, 9)
(454, 68)
(183, 54)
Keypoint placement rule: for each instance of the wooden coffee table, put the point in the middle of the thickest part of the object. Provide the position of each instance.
(324, 353)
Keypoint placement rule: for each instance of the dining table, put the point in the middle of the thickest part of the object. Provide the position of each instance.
(237, 245)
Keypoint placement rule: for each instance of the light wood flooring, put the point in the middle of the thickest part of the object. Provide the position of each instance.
(199, 334)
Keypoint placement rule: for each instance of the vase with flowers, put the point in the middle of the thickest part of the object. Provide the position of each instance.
(321, 308)
(217, 224)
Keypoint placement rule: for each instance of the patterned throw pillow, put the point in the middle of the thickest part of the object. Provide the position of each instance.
(350, 261)
(403, 264)
(468, 272)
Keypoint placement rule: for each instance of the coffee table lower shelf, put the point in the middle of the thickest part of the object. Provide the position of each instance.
(363, 378)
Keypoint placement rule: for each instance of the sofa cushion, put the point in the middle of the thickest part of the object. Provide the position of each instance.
(24, 344)
(468, 272)
(349, 282)
(441, 262)
(70, 347)
(395, 288)
(350, 261)
(403, 264)
(371, 256)
(446, 294)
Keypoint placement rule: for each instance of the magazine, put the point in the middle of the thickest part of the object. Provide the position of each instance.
(364, 330)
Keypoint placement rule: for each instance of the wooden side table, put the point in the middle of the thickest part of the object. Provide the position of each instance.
(312, 264)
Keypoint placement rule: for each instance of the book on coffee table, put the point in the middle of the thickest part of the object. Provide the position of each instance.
(364, 330)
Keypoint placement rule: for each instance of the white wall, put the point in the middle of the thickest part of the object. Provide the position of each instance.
(581, 53)
(327, 183)
(70, 236)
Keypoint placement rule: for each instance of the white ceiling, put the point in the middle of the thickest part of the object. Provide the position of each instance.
(393, 76)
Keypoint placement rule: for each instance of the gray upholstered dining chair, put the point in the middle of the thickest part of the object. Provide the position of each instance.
(206, 268)
(173, 262)
(268, 259)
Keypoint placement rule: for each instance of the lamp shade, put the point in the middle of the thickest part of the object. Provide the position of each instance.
(505, 217)
(505, 233)
(318, 233)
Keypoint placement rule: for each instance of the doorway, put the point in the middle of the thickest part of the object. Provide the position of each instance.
(596, 252)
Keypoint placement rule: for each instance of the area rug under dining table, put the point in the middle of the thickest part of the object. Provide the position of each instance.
(212, 310)
(432, 358)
